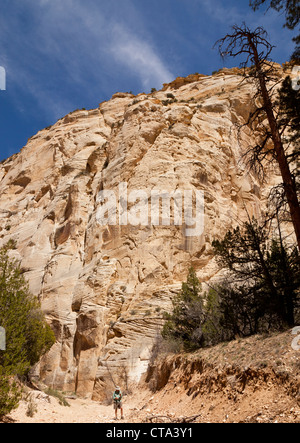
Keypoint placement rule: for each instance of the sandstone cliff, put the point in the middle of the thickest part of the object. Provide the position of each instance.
(104, 288)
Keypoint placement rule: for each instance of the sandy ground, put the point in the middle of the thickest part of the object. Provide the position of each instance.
(271, 395)
(269, 405)
(48, 410)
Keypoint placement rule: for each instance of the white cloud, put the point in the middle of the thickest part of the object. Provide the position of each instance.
(139, 57)
(74, 47)
(222, 12)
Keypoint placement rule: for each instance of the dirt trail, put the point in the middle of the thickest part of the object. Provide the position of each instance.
(254, 380)
(48, 410)
(172, 404)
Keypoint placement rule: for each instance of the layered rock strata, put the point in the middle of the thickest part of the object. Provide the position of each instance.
(104, 288)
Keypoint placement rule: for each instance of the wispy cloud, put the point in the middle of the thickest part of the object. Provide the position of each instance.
(62, 54)
(221, 11)
(71, 48)
(139, 57)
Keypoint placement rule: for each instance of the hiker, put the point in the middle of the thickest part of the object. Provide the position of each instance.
(117, 398)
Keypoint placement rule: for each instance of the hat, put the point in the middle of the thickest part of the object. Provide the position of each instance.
(118, 388)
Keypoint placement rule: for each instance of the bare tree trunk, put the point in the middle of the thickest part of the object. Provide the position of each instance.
(287, 177)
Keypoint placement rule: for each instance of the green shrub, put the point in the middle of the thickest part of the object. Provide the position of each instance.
(28, 336)
(10, 393)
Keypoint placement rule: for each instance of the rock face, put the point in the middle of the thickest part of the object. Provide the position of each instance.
(104, 288)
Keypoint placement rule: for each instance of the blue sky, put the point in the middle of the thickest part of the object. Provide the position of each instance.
(62, 55)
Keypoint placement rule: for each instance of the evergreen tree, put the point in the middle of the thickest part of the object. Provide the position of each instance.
(263, 280)
(184, 324)
(28, 336)
(195, 320)
(292, 14)
(10, 393)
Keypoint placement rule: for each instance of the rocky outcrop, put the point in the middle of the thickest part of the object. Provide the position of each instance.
(104, 288)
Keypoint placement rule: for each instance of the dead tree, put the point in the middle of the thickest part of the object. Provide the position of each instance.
(254, 46)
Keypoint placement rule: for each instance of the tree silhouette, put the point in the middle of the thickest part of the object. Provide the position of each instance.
(256, 49)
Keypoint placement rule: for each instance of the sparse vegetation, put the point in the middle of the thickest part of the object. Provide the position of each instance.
(31, 406)
(169, 102)
(58, 395)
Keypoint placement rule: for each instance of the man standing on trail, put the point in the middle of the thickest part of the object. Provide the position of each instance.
(117, 398)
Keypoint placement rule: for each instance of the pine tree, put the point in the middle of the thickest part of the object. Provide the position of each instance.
(196, 318)
(256, 49)
(289, 96)
(289, 121)
(184, 325)
(263, 279)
